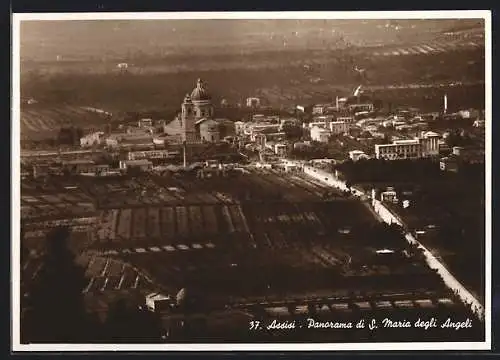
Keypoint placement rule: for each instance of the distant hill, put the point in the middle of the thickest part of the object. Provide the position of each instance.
(109, 40)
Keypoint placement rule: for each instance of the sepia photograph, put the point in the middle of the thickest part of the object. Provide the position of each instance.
(251, 181)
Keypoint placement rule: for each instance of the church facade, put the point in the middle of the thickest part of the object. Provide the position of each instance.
(196, 123)
(195, 107)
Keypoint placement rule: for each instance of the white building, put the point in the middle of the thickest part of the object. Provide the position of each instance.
(112, 141)
(323, 161)
(142, 165)
(399, 149)
(339, 127)
(356, 155)
(347, 119)
(361, 107)
(158, 302)
(319, 109)
(253, 129)
(151, 154)
(280, 149)
(320, 124)
(92, 139)
(479, 123)
(319, 134)
(258, 117)
(253, 102)
(389, 196)
(426, 145)
(239, 127)
(430, 143)
(145, 123)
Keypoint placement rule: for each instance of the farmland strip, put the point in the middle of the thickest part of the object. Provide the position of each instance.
(227, 218)
(196, 220)
(124, 224)
(182, 220)
(235, 218)
(139, 223)
(154, 222)
(168, 222)
(210, 219)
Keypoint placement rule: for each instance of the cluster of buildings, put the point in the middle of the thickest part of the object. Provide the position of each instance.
(196, 123)
(323, 127)
(460, 156)
(426, 145)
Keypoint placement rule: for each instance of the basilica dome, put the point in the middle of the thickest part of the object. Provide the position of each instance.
(200, 93)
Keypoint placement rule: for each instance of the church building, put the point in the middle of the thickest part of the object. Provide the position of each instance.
(196, 108)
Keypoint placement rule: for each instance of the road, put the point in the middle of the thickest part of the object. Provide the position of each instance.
(450, 281)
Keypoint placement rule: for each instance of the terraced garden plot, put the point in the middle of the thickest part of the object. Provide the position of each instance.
(53, 199)
(128, 278)
(124, 224)
(227, 219)
(182, 221)
(29, 199)
(307, 185)
(69, 198)
(113, 283)
(139, 223)
(28, 211)
(40, 123)
(114, 223)
(168, 223)
(277, 238)
(95, 267)
(237, 220)
(115, 268)
(106, 229)
(195, 220)
(47, 210)
(209, 219)
(153, 223)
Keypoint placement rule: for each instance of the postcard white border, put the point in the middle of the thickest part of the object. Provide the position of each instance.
(358, 15)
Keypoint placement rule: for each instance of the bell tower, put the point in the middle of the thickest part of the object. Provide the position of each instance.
(188, 120)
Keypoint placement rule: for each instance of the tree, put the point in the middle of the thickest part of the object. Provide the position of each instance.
(293, 132)
(55, 308)
(69, 135)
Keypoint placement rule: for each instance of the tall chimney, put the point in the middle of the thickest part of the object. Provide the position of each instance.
(337, 102)
(184, 148)
(445, 104)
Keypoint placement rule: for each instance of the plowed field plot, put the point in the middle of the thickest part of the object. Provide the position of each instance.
(182, 221)
(209, 219)
(153, 223)
(124, 224)
(167, 218)
(195, 220)
(40, 122)
(139, 223)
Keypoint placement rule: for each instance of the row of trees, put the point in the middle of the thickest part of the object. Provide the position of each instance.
(69, 135)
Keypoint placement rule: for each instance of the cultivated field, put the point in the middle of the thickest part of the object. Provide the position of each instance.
(204, 230)
(214, 235)
(105, 278)
(44, 122)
